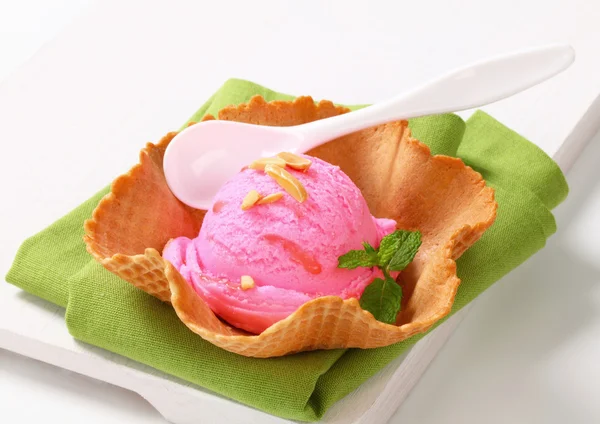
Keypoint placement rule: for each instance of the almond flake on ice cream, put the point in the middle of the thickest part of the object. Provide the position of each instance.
(294, 161)
(247, 282)
(250, 200)
(260, 164)
(287, 181)
(270, 198)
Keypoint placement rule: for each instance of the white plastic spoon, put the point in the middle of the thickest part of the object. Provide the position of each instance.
(201, 158)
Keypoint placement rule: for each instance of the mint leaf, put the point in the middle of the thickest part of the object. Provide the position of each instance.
(388, 246)
(394, 242)
(355, 258)
(383, 299)
(368, 247)
(410, 241)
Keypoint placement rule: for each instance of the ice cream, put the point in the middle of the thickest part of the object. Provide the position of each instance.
(288, 248)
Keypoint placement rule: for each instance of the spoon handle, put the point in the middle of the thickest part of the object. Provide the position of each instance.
(471, 86)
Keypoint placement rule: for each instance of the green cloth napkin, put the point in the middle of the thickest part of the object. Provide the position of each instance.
(106, 311)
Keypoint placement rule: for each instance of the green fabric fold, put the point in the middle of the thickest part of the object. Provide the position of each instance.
(105, 311)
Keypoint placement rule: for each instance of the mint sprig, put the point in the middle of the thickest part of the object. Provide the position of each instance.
(383, 296)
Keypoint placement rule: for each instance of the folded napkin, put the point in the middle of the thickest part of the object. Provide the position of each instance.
(106, 311)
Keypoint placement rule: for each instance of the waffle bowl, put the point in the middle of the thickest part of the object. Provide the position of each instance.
(445, 200)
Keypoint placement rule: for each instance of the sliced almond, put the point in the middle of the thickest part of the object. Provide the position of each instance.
(261, 163)
(294, 161)
(287, 181)
(250, 200)
(270, 198)
(247, 282)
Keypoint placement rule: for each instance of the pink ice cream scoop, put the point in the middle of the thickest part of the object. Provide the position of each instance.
(290, 249)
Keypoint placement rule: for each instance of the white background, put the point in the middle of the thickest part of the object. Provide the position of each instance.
(528, 351)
